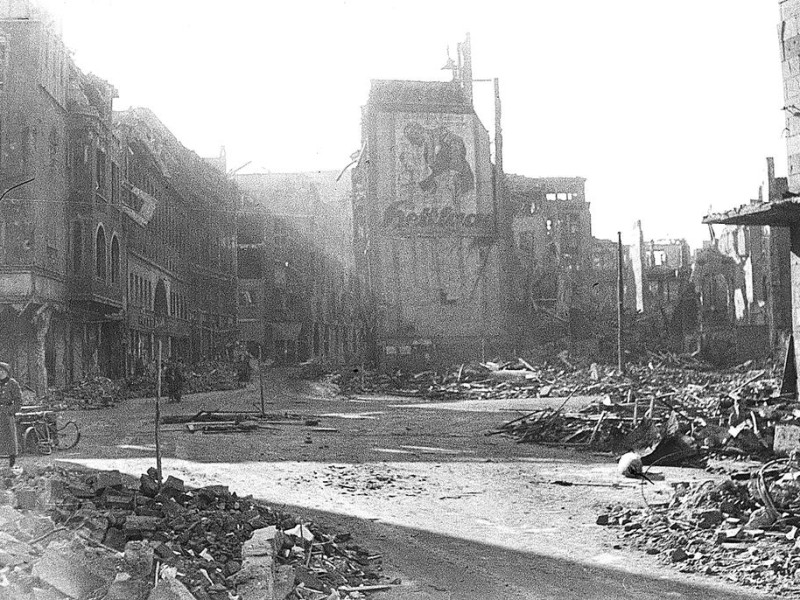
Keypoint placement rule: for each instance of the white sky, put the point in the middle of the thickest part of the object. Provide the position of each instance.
(665, 108)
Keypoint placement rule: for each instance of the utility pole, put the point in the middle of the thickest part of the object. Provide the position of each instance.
(158, 415)
(620, 307)
(261, 382)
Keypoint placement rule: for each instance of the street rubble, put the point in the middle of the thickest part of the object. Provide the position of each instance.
(674, 409)
(98, 392)
(69, 533)
(89, 394)
(743, 529)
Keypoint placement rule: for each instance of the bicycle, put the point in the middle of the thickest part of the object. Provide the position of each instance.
(41, 432)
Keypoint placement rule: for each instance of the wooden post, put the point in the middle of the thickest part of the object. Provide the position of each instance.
(158, 416)
(261, 382)
(620, 307)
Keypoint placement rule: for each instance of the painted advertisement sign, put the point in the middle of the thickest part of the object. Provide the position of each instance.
(435, 174)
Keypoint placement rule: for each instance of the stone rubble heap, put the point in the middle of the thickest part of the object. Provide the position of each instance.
(745, 531)
(77, 534)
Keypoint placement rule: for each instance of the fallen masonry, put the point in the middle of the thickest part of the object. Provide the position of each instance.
(673, 409)
(78, 534)
(670, 413)
(743, 530)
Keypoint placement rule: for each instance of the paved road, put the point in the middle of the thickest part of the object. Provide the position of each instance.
(455, 513)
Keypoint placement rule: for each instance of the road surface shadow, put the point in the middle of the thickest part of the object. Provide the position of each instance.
(437, 566)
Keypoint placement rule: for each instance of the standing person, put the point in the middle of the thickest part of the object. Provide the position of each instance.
(243, 370)
(173, 377)
(10, 404)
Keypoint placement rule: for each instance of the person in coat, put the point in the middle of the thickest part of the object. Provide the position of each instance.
(174, 379)
(10, 404)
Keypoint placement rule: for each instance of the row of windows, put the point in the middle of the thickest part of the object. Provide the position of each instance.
(140, 290)
(101, 256)
(562, 196)
(178, 305)
(104, 266)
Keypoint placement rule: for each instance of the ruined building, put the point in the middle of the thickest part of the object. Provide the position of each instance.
(34, 90)
(552, 258)
(426, 236)
(743, 276)
(781, 209)
(181, 238)
(299, 297)
(122, 235)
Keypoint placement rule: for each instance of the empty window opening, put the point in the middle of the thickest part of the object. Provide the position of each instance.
(100, 253)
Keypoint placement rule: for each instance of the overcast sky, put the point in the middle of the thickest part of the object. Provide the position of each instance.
(665, 108)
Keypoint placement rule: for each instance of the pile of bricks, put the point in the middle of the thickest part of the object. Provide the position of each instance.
(744, 531)
(207, 542)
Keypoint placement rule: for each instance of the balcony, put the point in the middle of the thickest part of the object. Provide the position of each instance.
(85, 288)
(146, 320)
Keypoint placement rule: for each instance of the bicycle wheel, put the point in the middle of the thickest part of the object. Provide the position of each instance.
(30, 441)
(36, 442)
(67, 436)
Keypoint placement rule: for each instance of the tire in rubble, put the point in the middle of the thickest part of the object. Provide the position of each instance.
(67, 436)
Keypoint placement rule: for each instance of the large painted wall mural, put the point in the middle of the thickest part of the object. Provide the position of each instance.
(434, 172)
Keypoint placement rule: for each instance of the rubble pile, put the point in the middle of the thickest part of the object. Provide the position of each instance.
(197, 533)
(204, 376)
(675, 400)
(91, 393)
(743, 531)
(428, 384)
(686, 411)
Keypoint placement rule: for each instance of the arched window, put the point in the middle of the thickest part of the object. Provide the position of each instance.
(114, 259)
(100, 253)
(77, 247)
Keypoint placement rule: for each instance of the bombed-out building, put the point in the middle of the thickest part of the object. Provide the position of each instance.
(111, 233)
(35, 71)
(299, 297)
(180, 223)
(743, 278)
(778, 212)
(552, 258)
(425, 222)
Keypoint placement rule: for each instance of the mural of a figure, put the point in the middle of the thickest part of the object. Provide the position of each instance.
(442, 153)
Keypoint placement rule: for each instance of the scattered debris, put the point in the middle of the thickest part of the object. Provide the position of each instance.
(743, 531)
(139, 530)
(204, 376)
(91, 393)
(671, 412)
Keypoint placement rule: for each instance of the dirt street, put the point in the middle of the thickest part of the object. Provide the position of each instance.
(455, 514)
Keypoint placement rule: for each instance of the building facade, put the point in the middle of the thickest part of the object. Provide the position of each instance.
(425, 222)
(552, 258)
(181, 239)
(34, 85)
(299, 297)
(120, 234)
